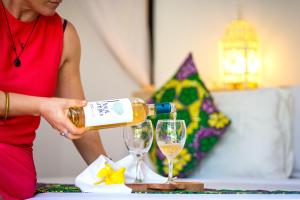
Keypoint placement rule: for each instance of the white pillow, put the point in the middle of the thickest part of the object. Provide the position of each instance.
(296, 130)
(258, 142)
(286, 116)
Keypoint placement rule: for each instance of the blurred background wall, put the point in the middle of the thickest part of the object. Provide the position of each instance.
(180, 27)
(197, 26)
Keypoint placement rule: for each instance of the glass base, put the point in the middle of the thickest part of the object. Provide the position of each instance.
(171, 180)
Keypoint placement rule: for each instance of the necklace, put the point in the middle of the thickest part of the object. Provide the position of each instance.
(17, 60)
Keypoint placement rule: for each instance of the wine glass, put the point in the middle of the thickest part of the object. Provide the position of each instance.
(138, 140)
(170, 137)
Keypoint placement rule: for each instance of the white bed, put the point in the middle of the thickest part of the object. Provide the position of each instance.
(275, 165)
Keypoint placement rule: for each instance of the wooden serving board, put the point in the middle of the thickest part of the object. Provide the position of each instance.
(166, 187)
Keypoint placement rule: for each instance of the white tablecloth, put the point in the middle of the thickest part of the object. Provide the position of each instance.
(231, 184)
(93, 196)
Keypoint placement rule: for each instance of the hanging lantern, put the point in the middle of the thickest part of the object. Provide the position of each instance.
(239, 56)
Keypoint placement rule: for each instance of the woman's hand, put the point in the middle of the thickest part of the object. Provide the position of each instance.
(55, 111)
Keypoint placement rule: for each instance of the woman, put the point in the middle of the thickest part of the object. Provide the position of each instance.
(39, 77)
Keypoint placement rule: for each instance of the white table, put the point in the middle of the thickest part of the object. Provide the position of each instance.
(93, 196)
(231, 184)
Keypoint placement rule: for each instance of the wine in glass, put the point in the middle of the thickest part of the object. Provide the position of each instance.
(138, 140)
(170, 137)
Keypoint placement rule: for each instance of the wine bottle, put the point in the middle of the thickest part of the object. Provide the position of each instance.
(116, 113)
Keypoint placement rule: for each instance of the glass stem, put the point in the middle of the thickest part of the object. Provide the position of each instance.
(170, 163)
(139, 176)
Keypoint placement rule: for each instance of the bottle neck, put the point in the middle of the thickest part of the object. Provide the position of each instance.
(160, 108)
(151, 109)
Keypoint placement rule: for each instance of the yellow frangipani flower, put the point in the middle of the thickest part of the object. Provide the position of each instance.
(109, 176)
(218, 120)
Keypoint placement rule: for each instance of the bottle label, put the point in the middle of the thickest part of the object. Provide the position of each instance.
(108, 112)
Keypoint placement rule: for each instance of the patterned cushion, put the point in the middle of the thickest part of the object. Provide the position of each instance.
(205, 123)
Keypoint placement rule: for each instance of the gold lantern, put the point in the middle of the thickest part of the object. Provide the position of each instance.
(239, 56)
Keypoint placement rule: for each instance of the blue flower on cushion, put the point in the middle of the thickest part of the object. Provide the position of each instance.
(220, 132)
(205, 140)
(199, 155)
(150, 101)
(188, 68)
(160, 155)
(208, 106)
(203, 132)
(182, 175)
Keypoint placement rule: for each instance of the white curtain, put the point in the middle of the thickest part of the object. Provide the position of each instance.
(123, 26)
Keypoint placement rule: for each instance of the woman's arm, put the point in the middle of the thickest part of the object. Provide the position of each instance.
(69, 86)
(54, 110)
(20, 104)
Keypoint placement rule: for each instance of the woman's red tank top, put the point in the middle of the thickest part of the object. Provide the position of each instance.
(37, 76)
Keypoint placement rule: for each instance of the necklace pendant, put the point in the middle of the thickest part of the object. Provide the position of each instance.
(17, 62)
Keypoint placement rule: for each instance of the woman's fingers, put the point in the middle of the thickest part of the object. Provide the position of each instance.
(70, 131)
(74, 129)
(70, 136)
(57, 116)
